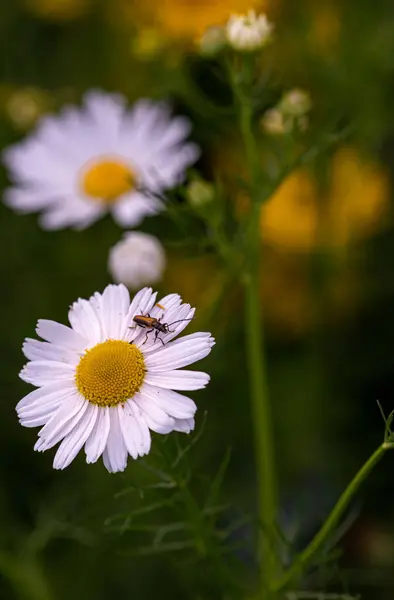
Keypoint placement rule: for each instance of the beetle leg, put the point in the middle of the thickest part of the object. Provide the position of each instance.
(157, 337)
(146, 337)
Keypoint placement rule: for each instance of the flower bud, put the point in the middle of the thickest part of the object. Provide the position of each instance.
(137, 260)
(295, 103)
(200, 193)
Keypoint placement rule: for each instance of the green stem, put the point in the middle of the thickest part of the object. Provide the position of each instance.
(307, 556)
(26, 577)
(261, 414)
(261, 410)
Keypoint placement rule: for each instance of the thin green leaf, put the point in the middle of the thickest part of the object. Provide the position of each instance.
(143, 510)
(214, 490)
(193, 441)
(163, 548)
(166, 529)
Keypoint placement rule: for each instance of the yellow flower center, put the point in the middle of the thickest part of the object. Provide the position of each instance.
(107, 180)
(110, 373)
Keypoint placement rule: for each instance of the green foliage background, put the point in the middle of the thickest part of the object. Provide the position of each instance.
(324, 382)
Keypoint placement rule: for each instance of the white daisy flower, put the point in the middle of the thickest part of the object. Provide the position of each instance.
(137, 259)
(247, 33)
(105, 382)
(100, 158)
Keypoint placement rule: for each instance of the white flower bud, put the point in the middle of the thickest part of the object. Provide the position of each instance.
(295, 103)
(274, 123)
(137, 260)
(200, 192)
(248, 33)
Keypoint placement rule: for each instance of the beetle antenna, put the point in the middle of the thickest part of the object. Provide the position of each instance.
(180, 321)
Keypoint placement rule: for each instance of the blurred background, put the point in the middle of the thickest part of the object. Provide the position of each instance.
(327, 290)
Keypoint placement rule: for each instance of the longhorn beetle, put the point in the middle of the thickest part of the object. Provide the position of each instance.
(153, 324)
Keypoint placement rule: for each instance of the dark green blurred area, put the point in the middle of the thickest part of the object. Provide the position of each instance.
(324, 380)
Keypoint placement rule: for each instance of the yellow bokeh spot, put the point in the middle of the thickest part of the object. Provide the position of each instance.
(107, 180)
(359, 196)
(147, 43)
(289, 218)
(110, 373)
(300, 216)
(325, 26)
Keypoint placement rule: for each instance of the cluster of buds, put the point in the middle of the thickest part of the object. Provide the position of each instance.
(291, 113)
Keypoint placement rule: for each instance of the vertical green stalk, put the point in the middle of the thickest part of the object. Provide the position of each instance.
(26, 577)
(261, 415)
(261, 410)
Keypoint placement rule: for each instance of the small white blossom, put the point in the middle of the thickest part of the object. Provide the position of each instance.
(274, 123)
(105, 382)
(248, 33)
(200, 193)
(295, 103)
(138, 259)
(289, 114)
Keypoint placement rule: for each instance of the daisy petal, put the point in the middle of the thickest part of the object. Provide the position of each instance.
(50, 331)
(58, 388)
(36, 350)
(73, 441)
(115, 305)
(44, 406)
(27, 200)
(144, 429)
(70, 211)
(166, 304)
(41, 372)
(115, 453)
(83, 319)
(97, 440)
(156, 419)
(174, 404)
(184, 425)
(178, 380)
(134, 435)
(181, 353)
(62, 422)
(107, 111)
(40, 414)
(142, 302)
(132, 208)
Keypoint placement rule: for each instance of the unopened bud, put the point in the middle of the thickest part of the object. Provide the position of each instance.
(200, 193)
(295, 103)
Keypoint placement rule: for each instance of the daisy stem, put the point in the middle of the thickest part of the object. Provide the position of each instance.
(261, 410)
(306, 557)
(261, 416)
